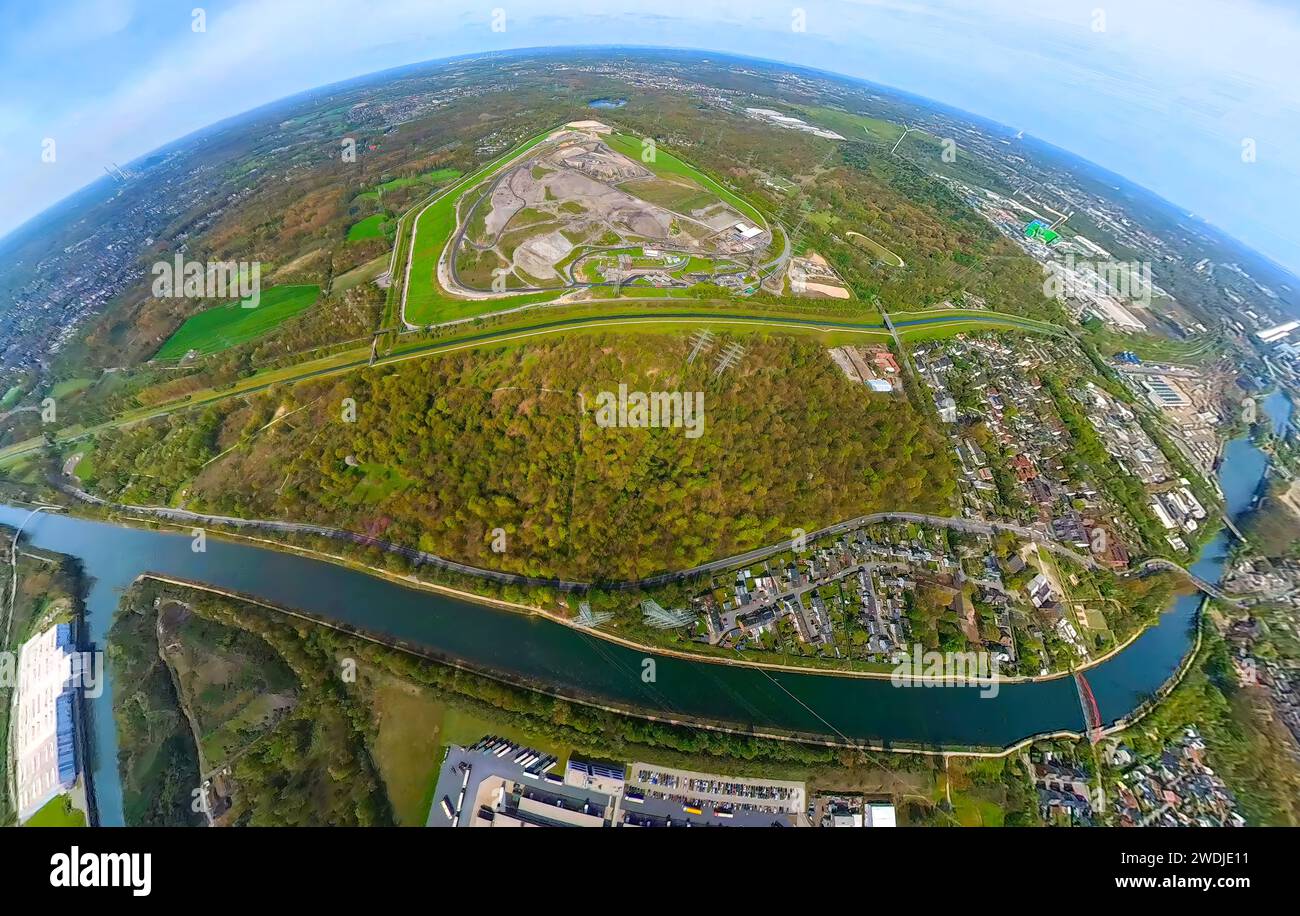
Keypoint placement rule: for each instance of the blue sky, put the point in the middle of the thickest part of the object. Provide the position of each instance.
(1163, 92)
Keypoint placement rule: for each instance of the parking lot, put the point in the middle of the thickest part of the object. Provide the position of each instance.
(722, 800)
(483, 764)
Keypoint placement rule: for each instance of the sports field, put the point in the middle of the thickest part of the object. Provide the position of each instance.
(228, 325)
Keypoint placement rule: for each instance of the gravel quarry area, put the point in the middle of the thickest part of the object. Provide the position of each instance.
(540, 216)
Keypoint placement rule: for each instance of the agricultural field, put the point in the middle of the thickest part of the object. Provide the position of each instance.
(223, 326)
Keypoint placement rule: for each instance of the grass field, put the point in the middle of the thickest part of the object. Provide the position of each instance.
(414, 727)
(923, 326)
(973, 811)
(376, 482)
(70, 386)
(878, 250)
(372, 227)
(216, 329)
(58, 812)
(853, 126)
(11, 397)
(437, 176)
(409, 721)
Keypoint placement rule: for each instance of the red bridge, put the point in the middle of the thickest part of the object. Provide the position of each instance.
(1091, 713)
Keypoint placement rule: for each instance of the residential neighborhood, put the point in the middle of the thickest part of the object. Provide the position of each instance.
(868, 595)
(1177, 789)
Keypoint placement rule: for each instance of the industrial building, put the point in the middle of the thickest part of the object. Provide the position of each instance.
(1164, 393)
(45, 720)
(1274, 334)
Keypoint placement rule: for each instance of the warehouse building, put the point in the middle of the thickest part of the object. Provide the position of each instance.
(45, 726)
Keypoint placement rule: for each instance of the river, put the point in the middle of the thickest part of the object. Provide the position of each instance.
(573, 662)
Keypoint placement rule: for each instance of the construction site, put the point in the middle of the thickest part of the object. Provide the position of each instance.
(577, 213)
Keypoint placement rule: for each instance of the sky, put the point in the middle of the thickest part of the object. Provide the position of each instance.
(1197, 100)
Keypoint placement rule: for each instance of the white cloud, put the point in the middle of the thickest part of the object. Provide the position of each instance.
(1169, 87)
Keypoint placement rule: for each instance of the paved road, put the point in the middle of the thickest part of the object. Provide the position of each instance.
(971, 526)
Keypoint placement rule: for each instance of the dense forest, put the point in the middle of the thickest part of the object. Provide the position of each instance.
(308, 766)
(457, 452)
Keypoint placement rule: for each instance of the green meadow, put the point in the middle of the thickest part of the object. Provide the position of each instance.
(878, 250)
(58, 812)
(854, 126)
(372, 227)
(438, 176)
